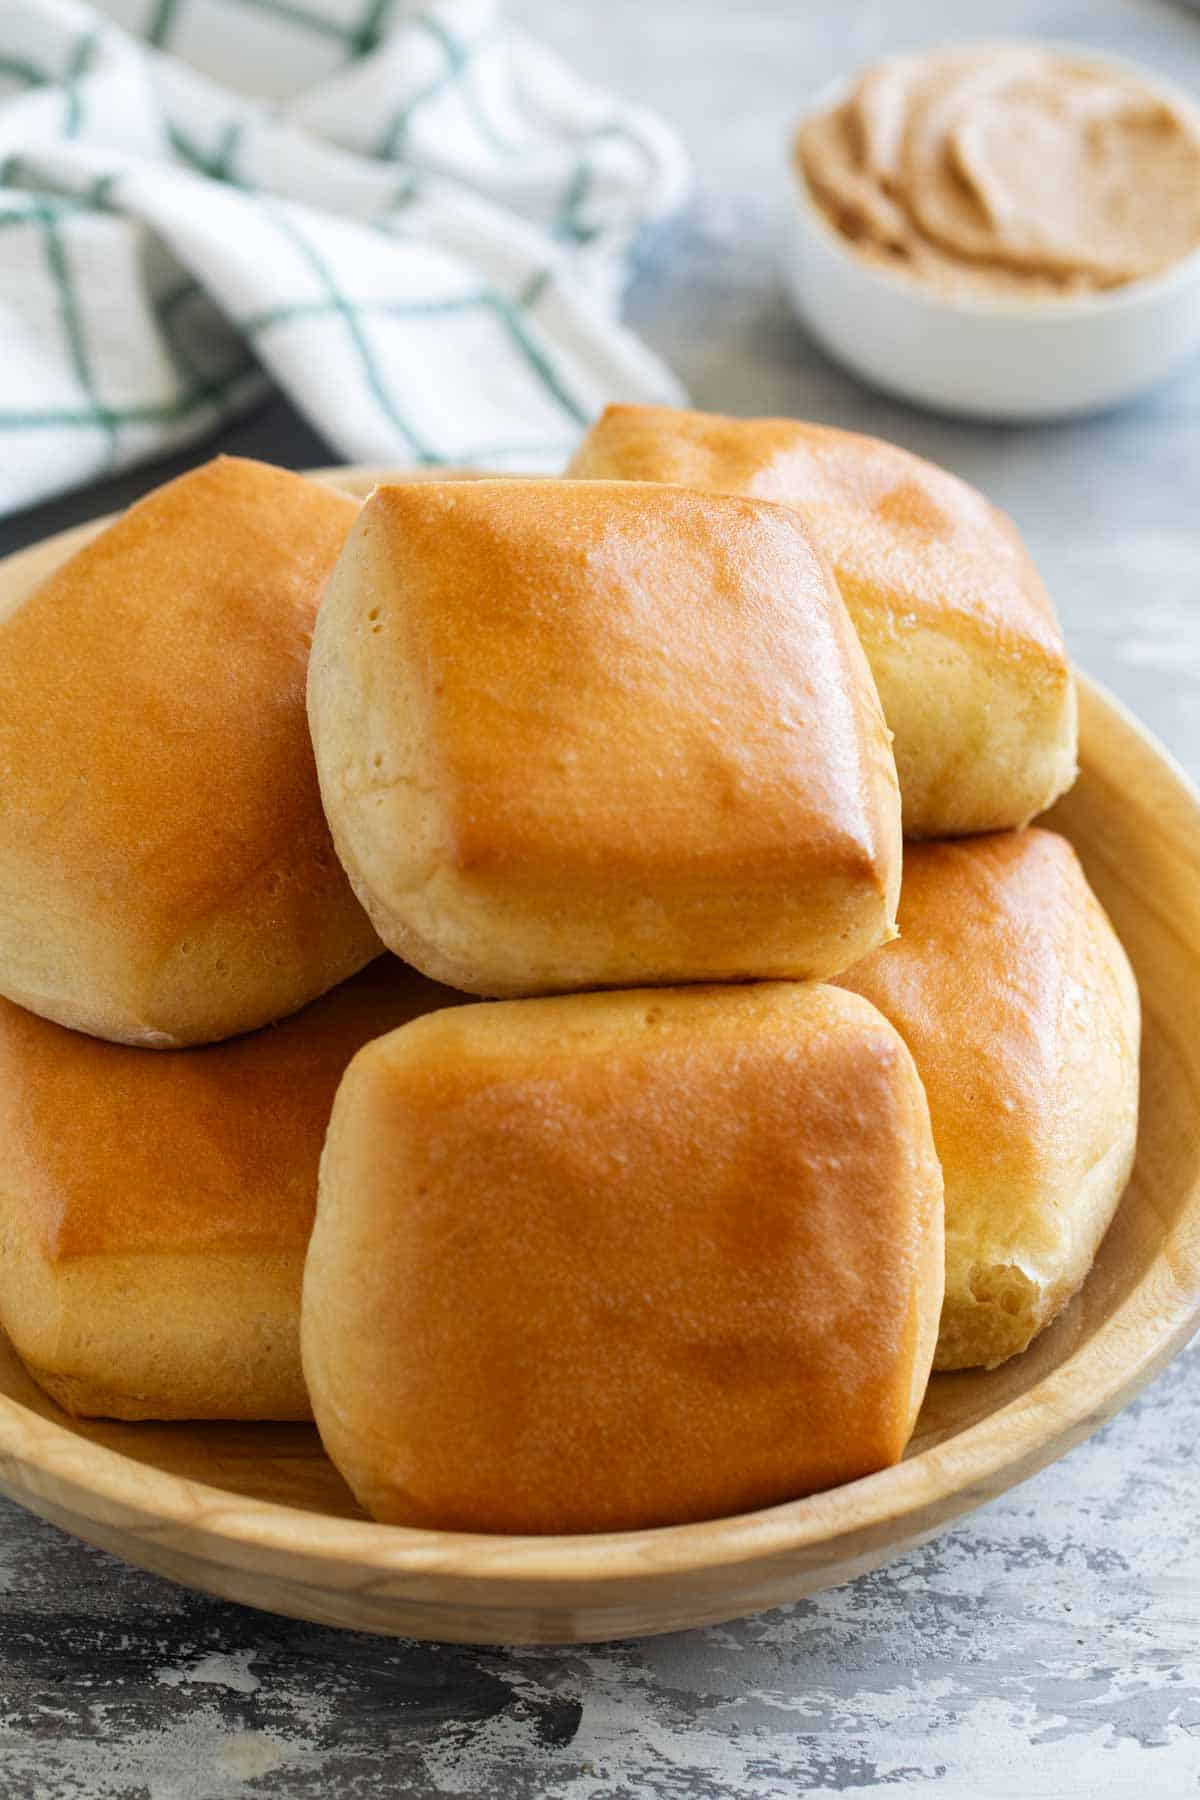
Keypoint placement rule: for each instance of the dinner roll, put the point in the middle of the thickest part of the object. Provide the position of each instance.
(958, 629)
(578, 735)
(1010, 988)
(623, 1259)
(166, 874)
(154, 1210)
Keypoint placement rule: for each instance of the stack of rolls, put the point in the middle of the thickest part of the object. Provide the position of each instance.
(552, 910)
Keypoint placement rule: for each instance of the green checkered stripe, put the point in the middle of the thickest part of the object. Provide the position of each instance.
(458, 59)
(207, 390)
(353, 318)
(203, 389)
(210, 384)
(354, 314)
(358, 38)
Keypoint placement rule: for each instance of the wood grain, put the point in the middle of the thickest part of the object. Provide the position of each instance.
(258, 1515)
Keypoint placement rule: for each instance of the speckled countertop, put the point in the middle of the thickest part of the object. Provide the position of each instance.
(1047, 1648)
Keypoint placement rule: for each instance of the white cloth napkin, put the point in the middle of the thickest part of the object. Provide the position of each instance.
(411, 217)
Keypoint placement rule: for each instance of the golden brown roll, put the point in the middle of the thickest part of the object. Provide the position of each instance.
(155, 1210)
(166, 873)
(1013, 993)
(619, 1260)
(578, 735)
(958, 629)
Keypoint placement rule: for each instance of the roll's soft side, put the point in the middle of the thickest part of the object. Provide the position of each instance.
(1013, 993)
(617, 1260)
(166, 872)
(959, 631)
(155, 1208)
(576, 735)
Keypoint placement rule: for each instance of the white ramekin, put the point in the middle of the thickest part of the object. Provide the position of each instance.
(983, 358)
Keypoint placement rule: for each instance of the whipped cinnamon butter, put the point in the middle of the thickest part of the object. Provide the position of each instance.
(1006, 169)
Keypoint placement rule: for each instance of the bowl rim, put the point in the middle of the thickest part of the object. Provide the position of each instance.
(1065, 309)
(42, 1461)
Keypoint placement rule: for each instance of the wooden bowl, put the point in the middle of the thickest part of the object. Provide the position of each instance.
(258, 1515)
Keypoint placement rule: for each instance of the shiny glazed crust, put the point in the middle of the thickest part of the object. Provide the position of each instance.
(1013, 993)
(958, 629)
(618, 1260)
(155, 1209)
(575, 735)
(166, 872)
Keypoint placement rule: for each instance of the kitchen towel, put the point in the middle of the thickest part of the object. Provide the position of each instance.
(413, 218)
